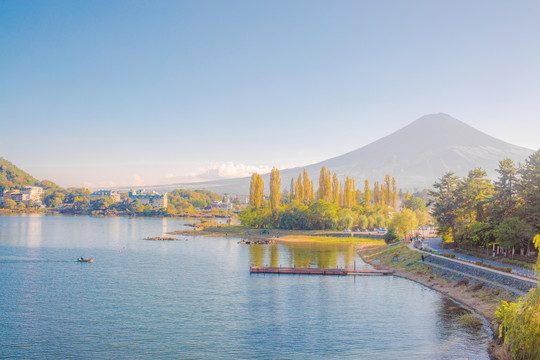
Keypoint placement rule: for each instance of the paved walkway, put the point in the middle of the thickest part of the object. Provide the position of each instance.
(458, 260)
(481, 279)
(435, 244)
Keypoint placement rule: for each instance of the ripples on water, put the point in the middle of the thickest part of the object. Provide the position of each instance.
(196, 299)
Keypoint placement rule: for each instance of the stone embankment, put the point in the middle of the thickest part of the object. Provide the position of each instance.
(459, 270)
(475, 275)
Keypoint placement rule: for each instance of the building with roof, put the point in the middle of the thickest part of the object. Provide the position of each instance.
(101, 193)
(157, 201)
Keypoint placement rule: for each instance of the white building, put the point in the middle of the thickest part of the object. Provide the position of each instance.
(153, 199)
(110, 193)
(226, 206)
(25, 195)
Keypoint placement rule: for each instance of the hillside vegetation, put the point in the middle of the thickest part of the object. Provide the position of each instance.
(11, 177)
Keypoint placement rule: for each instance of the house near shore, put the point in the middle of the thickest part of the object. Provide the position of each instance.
(101, 193)
(25, 195)
(221, 205)
(152, 198)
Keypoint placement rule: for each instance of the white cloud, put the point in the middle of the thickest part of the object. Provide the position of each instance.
(216, 171)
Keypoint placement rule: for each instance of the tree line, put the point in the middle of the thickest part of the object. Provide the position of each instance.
(333, 205)
(476, 211)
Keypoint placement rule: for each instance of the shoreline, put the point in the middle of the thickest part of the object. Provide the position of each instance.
(466, 297)
(481, 302)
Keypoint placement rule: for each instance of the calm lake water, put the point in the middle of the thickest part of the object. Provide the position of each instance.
(195, 299)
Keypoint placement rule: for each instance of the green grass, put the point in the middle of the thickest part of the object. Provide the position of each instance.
(332, 239)
(470, 320)
(386, 255)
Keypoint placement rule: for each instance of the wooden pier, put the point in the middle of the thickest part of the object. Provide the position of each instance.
(315, 271)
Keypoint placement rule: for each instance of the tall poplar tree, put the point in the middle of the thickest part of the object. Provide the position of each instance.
(299, 189)
(376, 193)
(325, 185)
(348, 193)
(275, 185)
(394, 195)
(256, 191)
(307, 186)
(291, 192)
(335, 190)
(387, 190)
(341, 196)
(367, 194)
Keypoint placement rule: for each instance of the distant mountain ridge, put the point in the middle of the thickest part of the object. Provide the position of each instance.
(416, 155)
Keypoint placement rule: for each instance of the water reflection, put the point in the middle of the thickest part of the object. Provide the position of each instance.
(305, 254)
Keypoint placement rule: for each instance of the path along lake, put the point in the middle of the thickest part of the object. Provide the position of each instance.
(195, 299)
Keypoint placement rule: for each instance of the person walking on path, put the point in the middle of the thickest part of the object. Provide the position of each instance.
(422, 257)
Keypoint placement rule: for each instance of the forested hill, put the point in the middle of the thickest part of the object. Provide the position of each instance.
(11, 177)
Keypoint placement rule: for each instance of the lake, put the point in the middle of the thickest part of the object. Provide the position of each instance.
(195, 299)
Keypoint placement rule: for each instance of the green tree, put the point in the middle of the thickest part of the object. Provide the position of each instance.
(296, 217)
(513, 231)
(415, 203)
(362, 221)
(472, 194)
(519, 322)
(10, 204)
(323, 215)
(345, 218)
(444, 203)
(391, 236)
(505, 191)
(529, 191)
(404, 222)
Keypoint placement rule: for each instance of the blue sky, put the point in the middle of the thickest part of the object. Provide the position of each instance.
(108, 93)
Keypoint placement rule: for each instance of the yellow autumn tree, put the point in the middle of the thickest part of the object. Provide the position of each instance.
(325, 185)
(256, 191)
(307, 187)
(367, 194)
(275, 186)
(394, 196)
(376, 193)
(299, 189)
(335, 190)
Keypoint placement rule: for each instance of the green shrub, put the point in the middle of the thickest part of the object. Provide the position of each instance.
(470, 320)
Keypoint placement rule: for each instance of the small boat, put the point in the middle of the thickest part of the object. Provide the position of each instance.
(81, 259)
